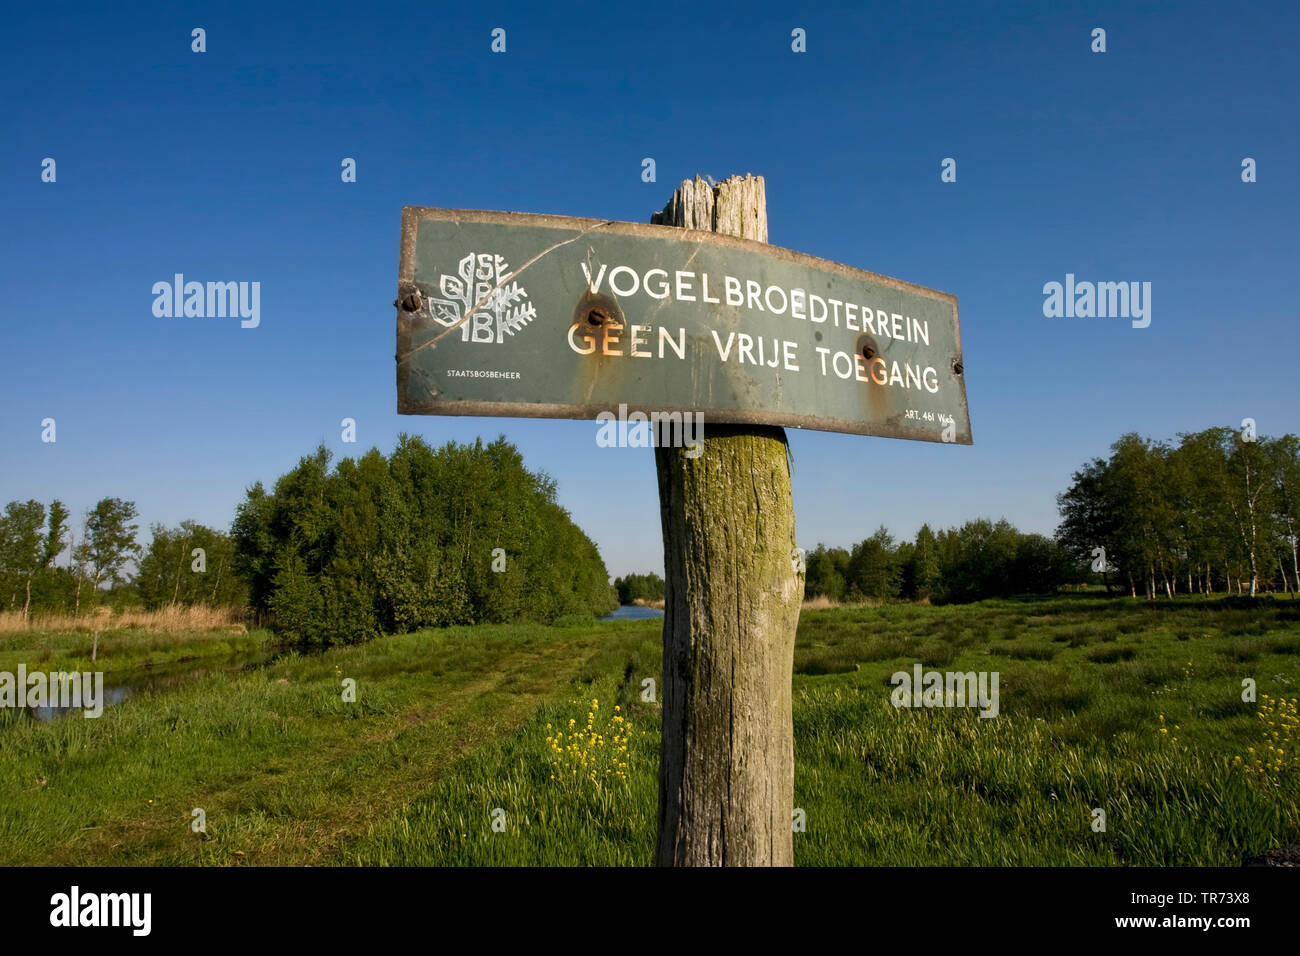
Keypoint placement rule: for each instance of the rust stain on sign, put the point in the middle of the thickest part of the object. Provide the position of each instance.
(546, 316)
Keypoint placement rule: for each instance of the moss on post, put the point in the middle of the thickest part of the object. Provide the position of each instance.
(726, 772)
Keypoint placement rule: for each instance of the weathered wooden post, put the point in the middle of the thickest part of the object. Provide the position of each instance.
(726, 769)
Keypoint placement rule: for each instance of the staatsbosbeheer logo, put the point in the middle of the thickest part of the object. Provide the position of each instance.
(482, 290)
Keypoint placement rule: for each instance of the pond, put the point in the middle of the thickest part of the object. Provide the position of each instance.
(633, 612)
(146, 678)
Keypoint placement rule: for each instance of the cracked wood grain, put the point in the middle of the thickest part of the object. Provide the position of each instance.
(726, 771)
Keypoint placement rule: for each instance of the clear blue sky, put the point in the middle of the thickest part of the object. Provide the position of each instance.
(225, 166)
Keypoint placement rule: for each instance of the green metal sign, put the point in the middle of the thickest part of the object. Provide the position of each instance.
(547, 316)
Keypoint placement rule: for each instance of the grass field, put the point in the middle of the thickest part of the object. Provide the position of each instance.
(456, 729)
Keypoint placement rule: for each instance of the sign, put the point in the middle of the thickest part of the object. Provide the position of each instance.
(509, 314)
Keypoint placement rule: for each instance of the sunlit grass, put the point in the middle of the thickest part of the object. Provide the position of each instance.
(445, 757)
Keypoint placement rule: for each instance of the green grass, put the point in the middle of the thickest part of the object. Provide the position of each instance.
(285, 770)
(451, 726)
(125, 651)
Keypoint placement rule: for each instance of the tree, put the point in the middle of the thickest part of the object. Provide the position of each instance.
(255, 543)
(107, 543)
(1217, 502)
(1089, 520)
(978, 560)
(57, 529)
(925, 573)
(1201, 464)
(1137, 493)
(639, 587)
(1234, 474)
(1284, 469)
(20, 546)
(1249, 494)
(826, 571)
(51, 584)
(1040, 565)
(422, 538)
(171, 572)
(873, 570)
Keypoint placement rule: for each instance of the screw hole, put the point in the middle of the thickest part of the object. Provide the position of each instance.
(597, 317)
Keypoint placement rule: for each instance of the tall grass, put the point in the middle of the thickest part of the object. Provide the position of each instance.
(820, 602)
(451, 726)
(198, 617)
(1079, 732)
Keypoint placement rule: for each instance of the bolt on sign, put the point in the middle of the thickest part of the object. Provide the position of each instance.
(551, 317)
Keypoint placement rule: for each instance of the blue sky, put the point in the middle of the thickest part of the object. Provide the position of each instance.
(1119, 166)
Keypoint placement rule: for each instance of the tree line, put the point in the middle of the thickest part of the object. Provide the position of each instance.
(461, 535)
(423, 538)
(466, 534)
(1217, 510)
(48, 564)
(639, 587)
(981, 559)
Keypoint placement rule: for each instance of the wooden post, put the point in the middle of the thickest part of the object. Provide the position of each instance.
(726, 770)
